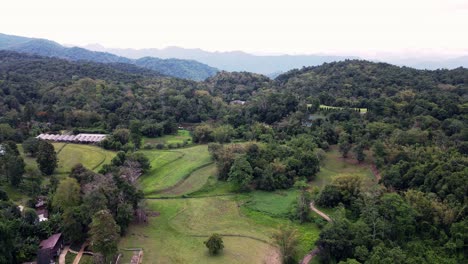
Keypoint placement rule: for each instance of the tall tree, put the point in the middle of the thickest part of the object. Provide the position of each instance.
(31, 146)
(287, 240)
(13, 168)
(46, 157)
(241, 173)
(67, 194)
(344, 145)
(104, 234)
(135, 133)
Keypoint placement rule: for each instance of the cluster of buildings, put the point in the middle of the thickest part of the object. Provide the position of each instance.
(80, 138)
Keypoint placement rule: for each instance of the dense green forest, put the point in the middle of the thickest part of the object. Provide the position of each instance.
(415, 132)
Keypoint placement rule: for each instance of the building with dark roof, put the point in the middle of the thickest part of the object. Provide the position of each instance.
(49, 249)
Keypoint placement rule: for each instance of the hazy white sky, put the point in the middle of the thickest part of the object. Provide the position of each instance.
(289, 26)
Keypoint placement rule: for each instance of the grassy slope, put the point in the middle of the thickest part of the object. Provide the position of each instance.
(92, 157)
(168, 237)
(194, 182)
(170, 167)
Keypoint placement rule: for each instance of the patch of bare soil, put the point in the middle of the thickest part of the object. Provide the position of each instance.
(273, 256)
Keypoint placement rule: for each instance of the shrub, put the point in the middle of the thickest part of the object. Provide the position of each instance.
(214, 244)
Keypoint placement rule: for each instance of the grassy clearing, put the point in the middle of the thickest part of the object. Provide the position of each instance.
(92, 157)
(361, 110)
(169, 238)
(335, 166)
(182, 135)
(276, 203)
(194, 182)
(171, 167)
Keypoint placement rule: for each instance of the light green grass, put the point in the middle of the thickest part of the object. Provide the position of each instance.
(194, 182)
(92, 157)
(182, 135)
(170, 237)
(362, 110)
(168, 168)
(335, 166)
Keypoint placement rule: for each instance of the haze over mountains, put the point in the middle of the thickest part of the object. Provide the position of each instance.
(271, 65)
(197, 64)
(187, 69)
(229, 61)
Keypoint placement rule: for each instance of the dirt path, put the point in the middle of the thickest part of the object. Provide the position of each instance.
(78, 257)
(307, 258)
(322, 214)
(63, 254)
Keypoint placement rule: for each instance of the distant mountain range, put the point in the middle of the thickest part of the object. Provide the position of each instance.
(197, 64)
(271, 65)
(187, 69)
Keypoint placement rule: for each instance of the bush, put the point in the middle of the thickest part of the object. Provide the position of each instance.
(148, 146)
(214, 244)
(160, 146)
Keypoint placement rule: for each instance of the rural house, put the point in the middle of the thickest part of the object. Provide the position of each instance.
(49, 249)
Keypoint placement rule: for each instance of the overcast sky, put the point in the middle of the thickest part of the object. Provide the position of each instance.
(353, 27)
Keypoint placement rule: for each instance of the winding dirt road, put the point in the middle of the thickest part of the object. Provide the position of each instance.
(307, 258)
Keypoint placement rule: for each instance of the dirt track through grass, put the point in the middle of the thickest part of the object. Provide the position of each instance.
(172, 167)
(177, 235)
(194, 182)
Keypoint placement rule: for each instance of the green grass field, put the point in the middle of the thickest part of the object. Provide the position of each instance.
(92, 157)
(276, 203)
(171, 167)
(177, 235)
(182, 135)
(195, 181)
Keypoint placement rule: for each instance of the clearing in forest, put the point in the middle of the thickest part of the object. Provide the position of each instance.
(182, 135)
(334, 166)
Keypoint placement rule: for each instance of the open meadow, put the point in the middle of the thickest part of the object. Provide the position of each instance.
(169, 167)
(177, 235)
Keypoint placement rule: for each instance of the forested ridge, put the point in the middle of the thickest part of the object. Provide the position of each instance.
(188, 69)
(415, 131)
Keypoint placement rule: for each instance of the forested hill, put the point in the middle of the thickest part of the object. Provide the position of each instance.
(36, 68)
(353, 82)
(187, 69)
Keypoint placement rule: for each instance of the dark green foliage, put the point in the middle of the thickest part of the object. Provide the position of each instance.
(214, 244)
(11, 164)
(241, 173)
(344, 144)
(31, 146)
(46, 157)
